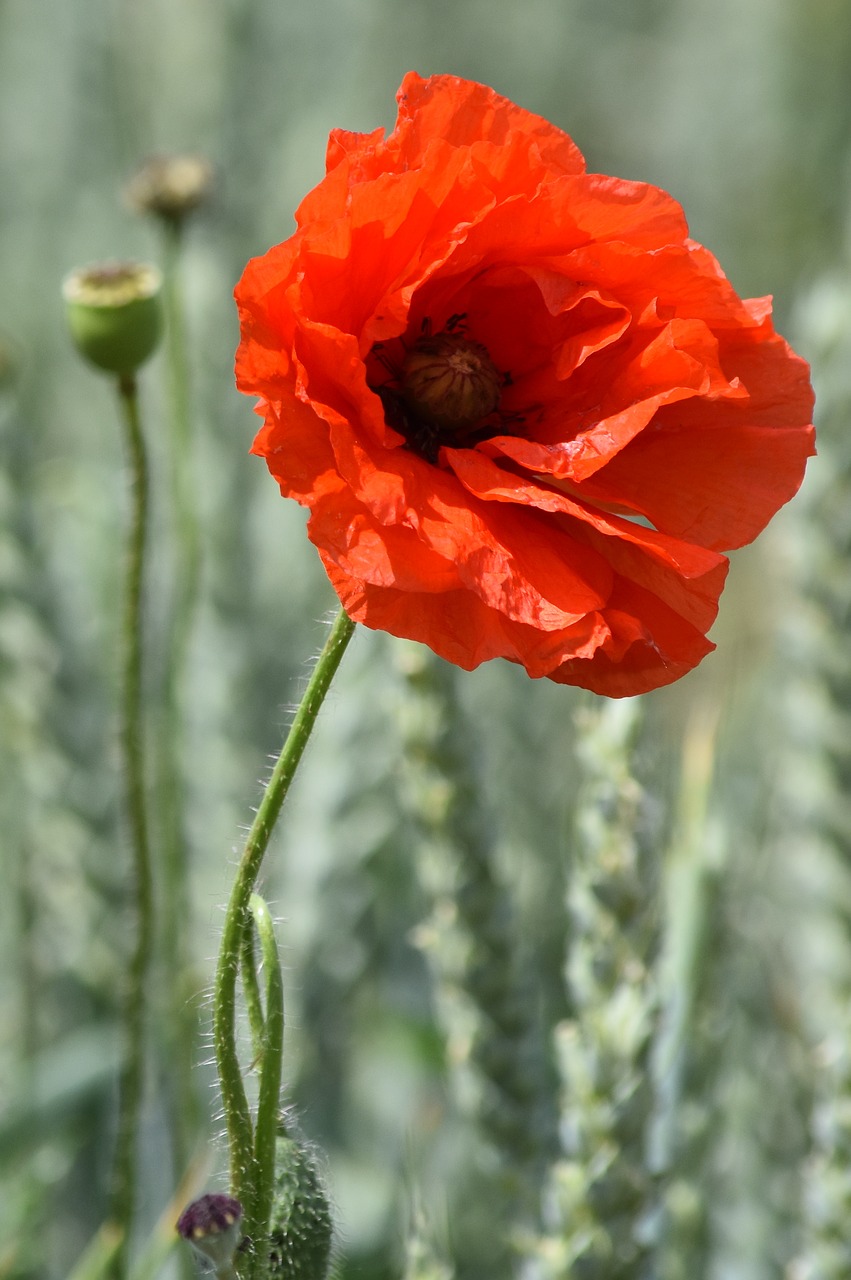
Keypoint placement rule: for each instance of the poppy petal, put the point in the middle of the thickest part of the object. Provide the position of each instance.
(639, 418)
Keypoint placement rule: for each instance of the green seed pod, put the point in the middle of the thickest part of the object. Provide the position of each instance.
(114, 314)
(300, 1227)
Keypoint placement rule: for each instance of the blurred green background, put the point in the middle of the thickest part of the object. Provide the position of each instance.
(740, 108)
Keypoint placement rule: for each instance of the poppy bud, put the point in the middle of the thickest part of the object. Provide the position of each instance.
(114, 314)
(450, 381)
(170, 187)
(211, 1225)
(300, 1227)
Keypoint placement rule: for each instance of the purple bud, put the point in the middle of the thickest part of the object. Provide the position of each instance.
(211, 1225)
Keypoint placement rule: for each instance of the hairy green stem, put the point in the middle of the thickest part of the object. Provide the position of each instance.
(268, 1102)
(243, 1167)
(130, 1099)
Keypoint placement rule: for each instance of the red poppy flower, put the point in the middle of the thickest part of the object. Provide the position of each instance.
(526, 411)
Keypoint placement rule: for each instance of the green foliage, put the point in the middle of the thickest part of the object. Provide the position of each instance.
(486, 992)
(603, 1189)
(817, 802)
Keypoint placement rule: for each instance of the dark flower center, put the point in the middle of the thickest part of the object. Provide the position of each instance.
(450, 382)
(446, 390)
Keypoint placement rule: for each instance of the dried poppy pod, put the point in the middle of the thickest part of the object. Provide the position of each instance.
(170, 187)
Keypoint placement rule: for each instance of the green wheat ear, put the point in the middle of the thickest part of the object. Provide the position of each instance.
(300, 1226)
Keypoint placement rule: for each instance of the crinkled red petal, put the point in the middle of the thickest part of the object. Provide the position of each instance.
(650, 419)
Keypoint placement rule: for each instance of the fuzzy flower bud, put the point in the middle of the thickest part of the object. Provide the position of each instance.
(170, 187)
(114, 314)
(300, 1227)
(212, 1227)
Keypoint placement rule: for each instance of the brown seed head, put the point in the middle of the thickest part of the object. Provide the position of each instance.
(170, 187)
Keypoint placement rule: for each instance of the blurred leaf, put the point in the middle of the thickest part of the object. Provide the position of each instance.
(63, 1078)
(98, 1257)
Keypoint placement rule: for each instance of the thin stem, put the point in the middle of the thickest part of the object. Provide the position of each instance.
(130, 1099)
(234, 1101)
(176, 350)
(26, 951)
(179, 1015)
(268, 1102)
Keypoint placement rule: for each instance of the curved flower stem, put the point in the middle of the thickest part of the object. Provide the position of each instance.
(268, 1102)
(235, 1104)
(124, 1172)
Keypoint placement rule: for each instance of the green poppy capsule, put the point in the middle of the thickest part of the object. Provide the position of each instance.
(115, 314)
